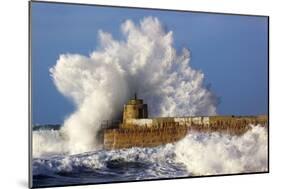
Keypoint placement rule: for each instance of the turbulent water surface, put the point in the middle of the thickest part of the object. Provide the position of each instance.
(196, 154)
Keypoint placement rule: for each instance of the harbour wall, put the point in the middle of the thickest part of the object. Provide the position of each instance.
(158, 131)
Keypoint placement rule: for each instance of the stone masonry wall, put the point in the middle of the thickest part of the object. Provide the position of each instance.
(157, 131)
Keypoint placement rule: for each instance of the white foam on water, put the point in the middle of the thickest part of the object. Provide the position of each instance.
(216, 153)
(199, 153)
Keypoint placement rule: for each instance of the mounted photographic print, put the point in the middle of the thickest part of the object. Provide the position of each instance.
(120, 94)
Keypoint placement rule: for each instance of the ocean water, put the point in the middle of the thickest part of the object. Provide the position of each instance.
(195, 155)
(106, 166)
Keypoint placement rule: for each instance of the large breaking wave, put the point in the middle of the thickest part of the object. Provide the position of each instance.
(144, 62)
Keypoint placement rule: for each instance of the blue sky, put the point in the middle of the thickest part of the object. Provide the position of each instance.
(230, 50)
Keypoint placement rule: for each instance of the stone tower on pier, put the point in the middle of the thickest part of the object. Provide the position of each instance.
(135, 109)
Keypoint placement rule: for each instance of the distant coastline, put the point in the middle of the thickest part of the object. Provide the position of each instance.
(46, 127)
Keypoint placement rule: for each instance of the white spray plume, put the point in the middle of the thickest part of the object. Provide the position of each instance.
(215, 153)
(145, 62)
(48, 143)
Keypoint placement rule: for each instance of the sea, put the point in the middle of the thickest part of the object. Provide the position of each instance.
(198, 154)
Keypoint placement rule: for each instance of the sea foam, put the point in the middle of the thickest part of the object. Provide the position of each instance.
(199, 153)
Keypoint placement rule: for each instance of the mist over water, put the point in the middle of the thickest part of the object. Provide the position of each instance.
(144, 62)
(48, 143)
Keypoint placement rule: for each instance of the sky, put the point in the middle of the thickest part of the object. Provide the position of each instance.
(231, 51)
